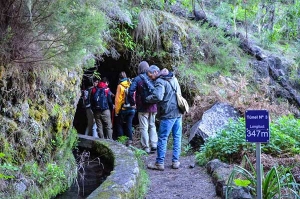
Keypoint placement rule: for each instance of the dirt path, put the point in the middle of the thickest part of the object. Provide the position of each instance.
(185, 182)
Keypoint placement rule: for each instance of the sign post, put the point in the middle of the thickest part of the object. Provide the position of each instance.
(257, 130)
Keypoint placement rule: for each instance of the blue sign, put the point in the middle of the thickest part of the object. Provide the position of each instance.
(257, 126)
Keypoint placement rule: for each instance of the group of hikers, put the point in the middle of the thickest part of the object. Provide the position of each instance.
(152, 93)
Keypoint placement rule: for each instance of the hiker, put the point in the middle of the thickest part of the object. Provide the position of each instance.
(124, 112)
(169, 114)
(108, 91)
(91, 128)
(146, 111)
(101, 103)
(105, 80)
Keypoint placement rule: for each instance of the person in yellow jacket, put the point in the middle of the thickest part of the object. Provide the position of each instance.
(124, 113)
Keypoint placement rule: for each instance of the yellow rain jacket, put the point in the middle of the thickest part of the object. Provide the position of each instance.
(120, 95)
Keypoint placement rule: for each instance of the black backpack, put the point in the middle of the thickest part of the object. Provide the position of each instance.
(147, 87)
(99, 100)
(126, 103)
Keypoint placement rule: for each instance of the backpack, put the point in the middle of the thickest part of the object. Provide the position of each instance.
(99, 100)
(182, 103)
(146, 88)
(126, 104)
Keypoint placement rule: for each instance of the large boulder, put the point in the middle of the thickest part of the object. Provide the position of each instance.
(212, 120)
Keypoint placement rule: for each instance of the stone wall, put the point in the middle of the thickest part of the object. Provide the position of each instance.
(123, 180)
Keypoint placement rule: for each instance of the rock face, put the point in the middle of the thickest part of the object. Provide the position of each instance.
(277, 68)
(212, 120)
(37, 108)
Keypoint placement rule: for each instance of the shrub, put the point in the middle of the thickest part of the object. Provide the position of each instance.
(278, 182)
(59, 31)
(230, 145)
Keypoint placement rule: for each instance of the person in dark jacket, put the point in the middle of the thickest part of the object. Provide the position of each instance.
(103, 117)
(91, 128)
(146, 111)
(169, 114)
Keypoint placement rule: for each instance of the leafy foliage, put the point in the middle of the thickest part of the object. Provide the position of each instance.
(51, 30)
(124, 37)
(229, 144)
(122, 139)
(6, 169)
(278, 182)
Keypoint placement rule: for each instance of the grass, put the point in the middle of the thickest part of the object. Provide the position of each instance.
(146, 31)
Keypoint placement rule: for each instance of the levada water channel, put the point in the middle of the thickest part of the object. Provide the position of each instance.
(92, 170)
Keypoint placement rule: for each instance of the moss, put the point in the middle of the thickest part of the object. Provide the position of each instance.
(2, 71)
(107, 184)
(72, 138)
(6, 148)
(31, 77)
(38, 113)
(11, 126)
(105, 195)
(103, 149)
(73, 81)
(58, 123)
(22, 154)
(17, 115)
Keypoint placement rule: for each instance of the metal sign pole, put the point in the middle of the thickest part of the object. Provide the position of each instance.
(258, 171)
(257, 130)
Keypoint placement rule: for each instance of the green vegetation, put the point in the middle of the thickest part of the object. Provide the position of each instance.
(122, 139)
(278, 182)
(230, 144)
(45, 44)
(6, 169)
(143, 183)
(64, 31)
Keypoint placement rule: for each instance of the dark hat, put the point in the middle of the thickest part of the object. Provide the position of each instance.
(143, 67)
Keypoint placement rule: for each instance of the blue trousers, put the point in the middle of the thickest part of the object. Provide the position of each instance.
(167, 126)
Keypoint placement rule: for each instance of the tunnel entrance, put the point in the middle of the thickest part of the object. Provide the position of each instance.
(109, 68)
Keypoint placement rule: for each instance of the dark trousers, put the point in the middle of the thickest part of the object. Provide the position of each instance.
(124, 123)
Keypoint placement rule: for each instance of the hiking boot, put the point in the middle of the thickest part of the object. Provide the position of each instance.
(153, 150)
(147, 150)
(175, 165)
(156, 166)
(129, 143)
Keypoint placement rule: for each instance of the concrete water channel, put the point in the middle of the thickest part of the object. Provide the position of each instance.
(113, 172)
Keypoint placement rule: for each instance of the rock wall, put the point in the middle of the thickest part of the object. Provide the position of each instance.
(37, 106)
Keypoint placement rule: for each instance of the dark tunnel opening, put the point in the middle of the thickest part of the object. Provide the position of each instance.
(109, 68)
